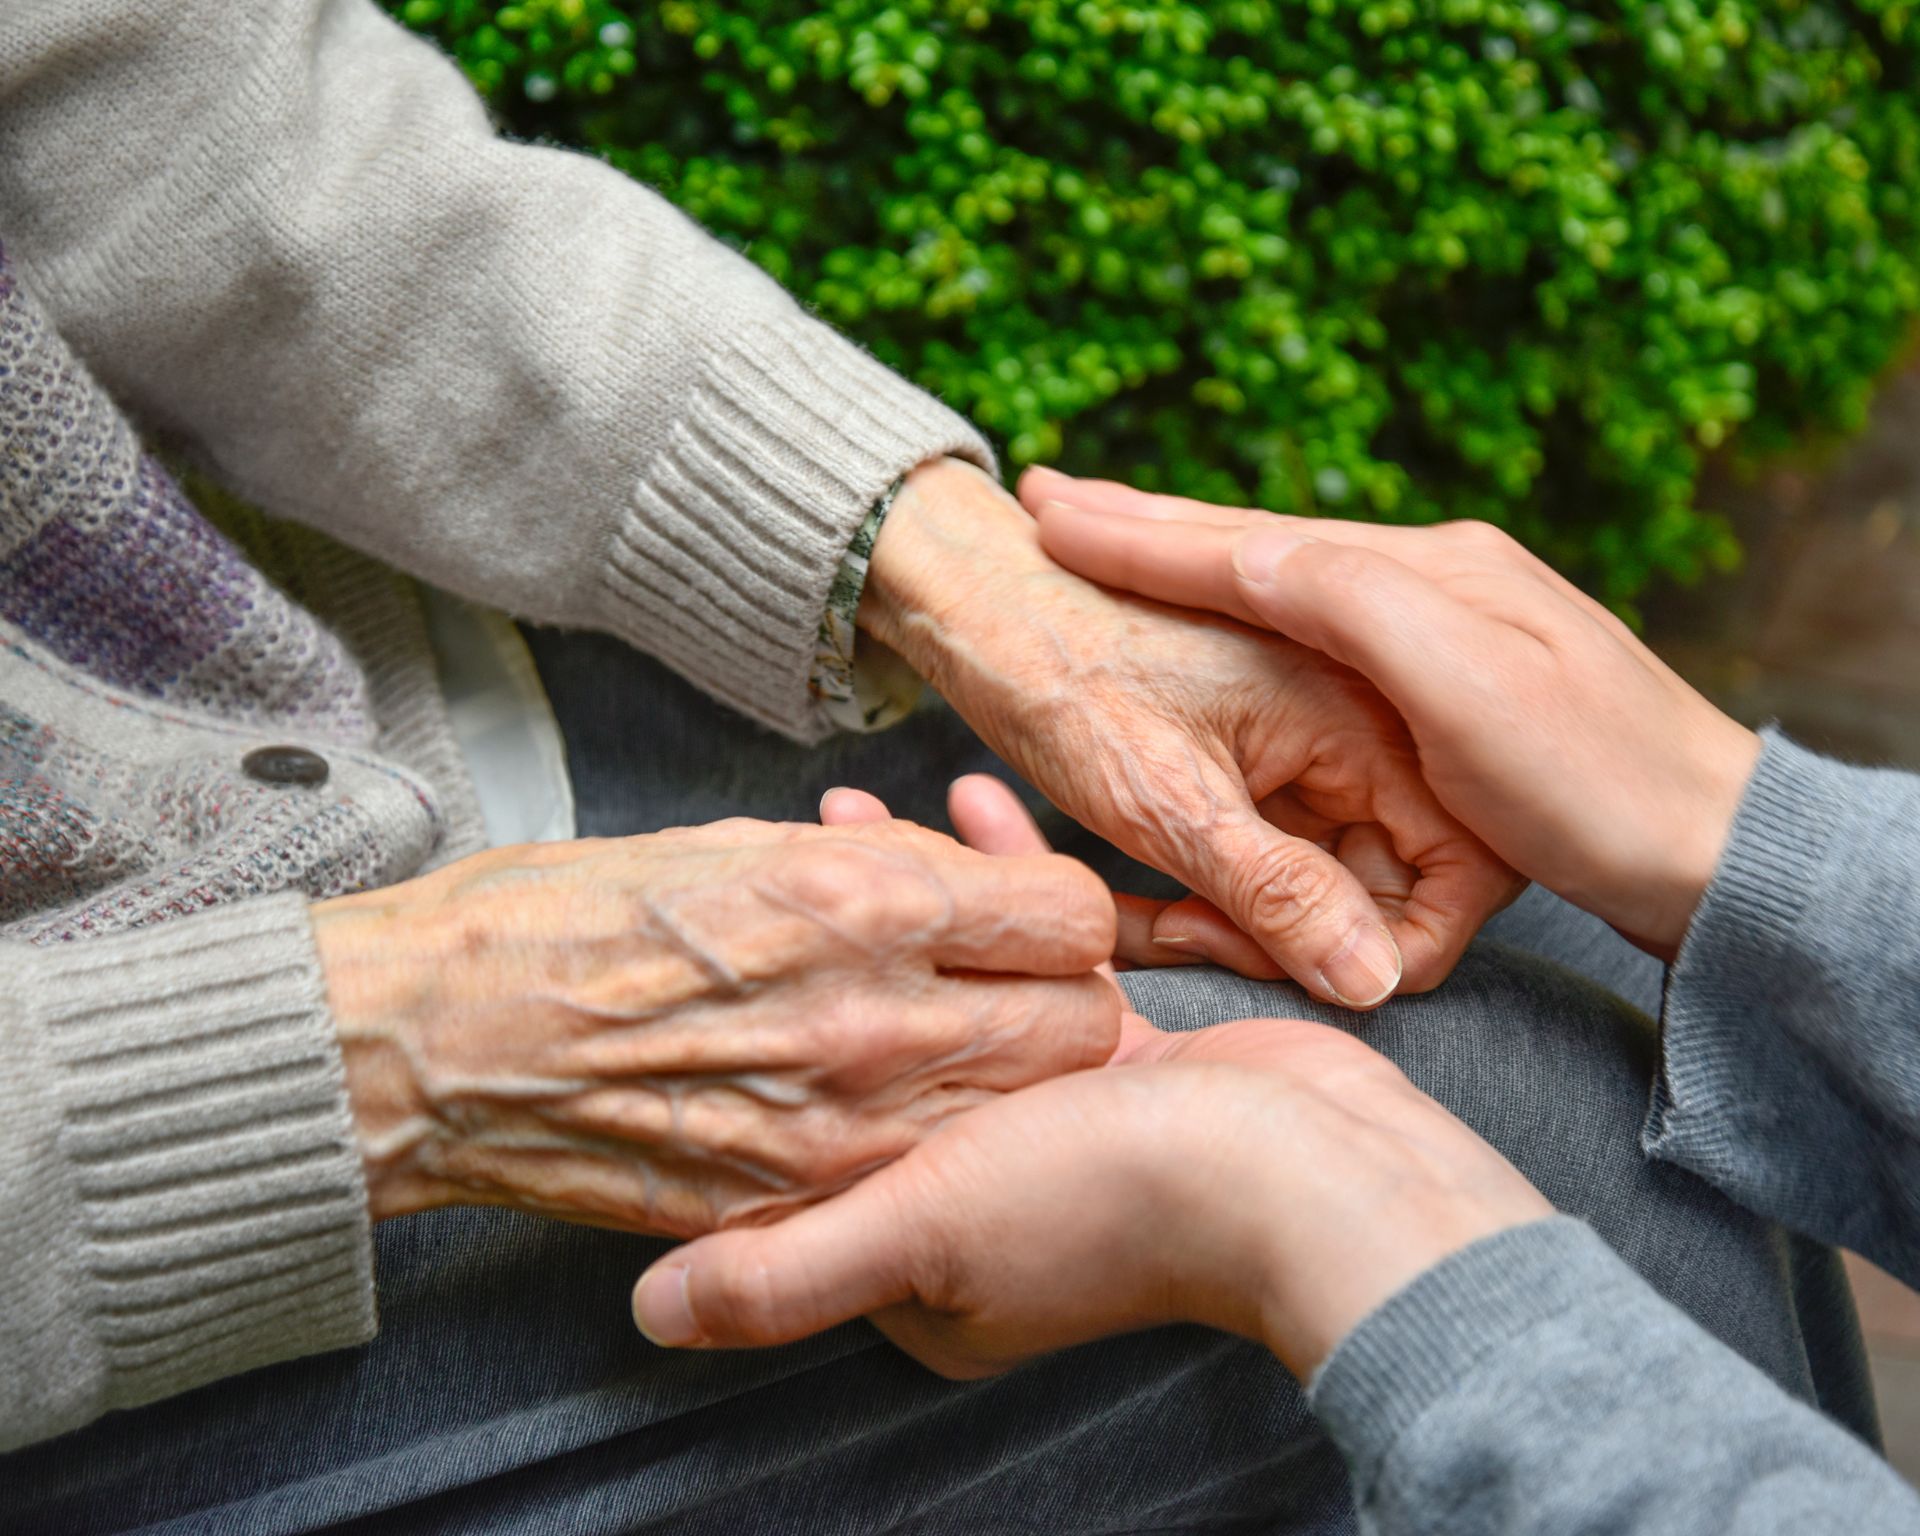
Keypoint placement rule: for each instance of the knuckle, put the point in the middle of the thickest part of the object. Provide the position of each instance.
(1481, 538)
(1287, 887)
(1060, 1026)
(863, 895)
(1088, 922)
(847, 1031)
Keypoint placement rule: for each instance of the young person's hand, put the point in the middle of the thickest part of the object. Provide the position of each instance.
(705, 1026)
(1282, 789)
(1275, 1178)
(1272, 1177)
(1541, 721)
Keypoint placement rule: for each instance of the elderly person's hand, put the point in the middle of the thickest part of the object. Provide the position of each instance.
(1541, 721)
(702, 1027)
(1274, 1178)
(1282, 789)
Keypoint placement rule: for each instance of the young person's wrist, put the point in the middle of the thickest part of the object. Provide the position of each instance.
(1310, 1303)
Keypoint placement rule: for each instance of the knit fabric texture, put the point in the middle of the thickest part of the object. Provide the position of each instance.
(144, 655)
(286, 241)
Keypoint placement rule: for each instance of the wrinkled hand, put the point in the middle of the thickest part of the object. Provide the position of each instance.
(1274, 1178)
(1542, 722)
(1282, 789)
(701, 1027)
(989, 817)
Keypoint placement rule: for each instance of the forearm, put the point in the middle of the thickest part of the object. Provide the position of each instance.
(180, 1193)
(1791, 1062)
(1534, 1384)
(287, 235)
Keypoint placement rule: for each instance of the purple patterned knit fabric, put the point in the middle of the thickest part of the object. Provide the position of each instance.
(106, 563)
(141, 657)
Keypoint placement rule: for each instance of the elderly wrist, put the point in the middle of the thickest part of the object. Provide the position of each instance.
(951, 529)
(366, 978)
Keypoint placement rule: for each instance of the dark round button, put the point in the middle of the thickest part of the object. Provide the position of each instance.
(285, 765)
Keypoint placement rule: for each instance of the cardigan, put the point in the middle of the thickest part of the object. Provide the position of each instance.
(284, 243)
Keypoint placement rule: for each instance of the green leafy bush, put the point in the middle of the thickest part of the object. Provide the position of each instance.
(1521, 260)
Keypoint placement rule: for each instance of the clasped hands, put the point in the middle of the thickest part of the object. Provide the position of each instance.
(880, 1029)
(1274, 1178)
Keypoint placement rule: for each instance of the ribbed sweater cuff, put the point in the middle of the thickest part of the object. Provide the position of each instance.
(1468, 1313)
(1741, 957)
(723, 565)
(218, 1214)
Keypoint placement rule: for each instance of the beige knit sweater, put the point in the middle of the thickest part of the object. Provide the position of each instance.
(284, 237)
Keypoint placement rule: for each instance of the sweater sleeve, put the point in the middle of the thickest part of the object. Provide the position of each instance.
(181, 1196)
(1533, 1385)
(287, 236)
(1791, 1059)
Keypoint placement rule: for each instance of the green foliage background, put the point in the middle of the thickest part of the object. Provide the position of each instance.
(1403, 259)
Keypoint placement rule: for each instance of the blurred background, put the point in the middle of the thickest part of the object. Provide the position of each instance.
(1634, 279)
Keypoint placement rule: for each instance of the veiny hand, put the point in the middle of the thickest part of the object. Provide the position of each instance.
(1541, 721)
(1282, 789)
(701, 1027)
(1274, 1178)
(989, 817)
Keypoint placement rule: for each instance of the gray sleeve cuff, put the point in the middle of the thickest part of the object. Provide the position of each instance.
(723, 565)
(1791, 1027)
(1533, 1384)
(187, 1201)
(1424, 1342)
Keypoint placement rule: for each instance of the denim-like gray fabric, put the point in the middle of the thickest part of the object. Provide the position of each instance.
(1533, 1386)
(507, 1391)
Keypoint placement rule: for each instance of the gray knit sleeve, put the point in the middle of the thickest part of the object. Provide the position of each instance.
(1534, 1385)
(181, 1196)
(288, 236)
(1791, 1064)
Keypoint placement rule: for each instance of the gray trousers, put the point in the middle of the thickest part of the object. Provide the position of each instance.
(508, 1392)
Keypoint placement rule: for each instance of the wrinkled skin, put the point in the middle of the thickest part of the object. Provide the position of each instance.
(1279, 786)
(1542, 721)
(1276, 1178)
(701, 1027)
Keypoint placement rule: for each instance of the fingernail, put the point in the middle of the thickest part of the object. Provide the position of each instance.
(1185, 944)
(660, 1307)
(1259, 553)
(1366, 969)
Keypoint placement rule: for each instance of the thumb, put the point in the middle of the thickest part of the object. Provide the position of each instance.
(757, 1286)
(1301, 905)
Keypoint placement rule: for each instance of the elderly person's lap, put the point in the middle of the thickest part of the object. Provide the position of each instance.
(508, 1391)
